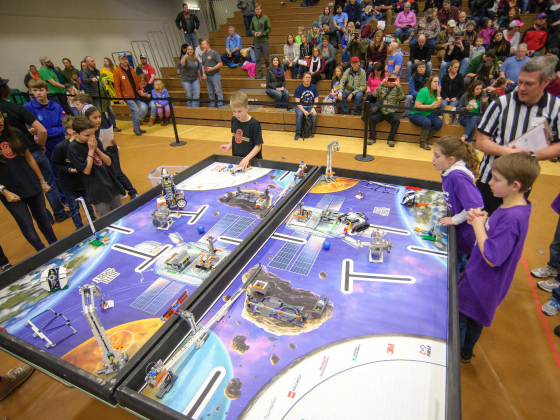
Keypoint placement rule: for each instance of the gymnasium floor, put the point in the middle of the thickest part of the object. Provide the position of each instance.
(516, 371)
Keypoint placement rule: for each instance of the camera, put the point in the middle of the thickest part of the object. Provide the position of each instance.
(456, 43)
(392, 79)
(356, 36)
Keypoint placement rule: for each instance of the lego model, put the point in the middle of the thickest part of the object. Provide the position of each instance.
(162, 217)
(378, 245)
(114, 358)
(429, 235)
(206, 261)
(409, 198)
(322, 222)
(234, 170)
(360, 195)
(179, 260)
(356, 221)
(41, 334)
(175, 306)
(260, 199)
(329, 174)
(300, 173)
(174, 198)
(159, 375)
(301, 214)
(319, 307)
(54, 279)
(98, 239)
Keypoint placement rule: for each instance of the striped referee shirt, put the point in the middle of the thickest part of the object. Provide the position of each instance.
(507, 118)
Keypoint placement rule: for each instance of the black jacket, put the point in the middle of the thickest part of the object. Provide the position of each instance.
(452, 88)
(457, 54)
(420, 53)
(187, 23)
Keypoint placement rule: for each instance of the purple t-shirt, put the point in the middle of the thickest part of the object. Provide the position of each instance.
(463, 195)
(481, 287)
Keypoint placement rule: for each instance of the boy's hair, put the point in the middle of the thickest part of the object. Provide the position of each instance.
(501, 81)
(38, 84)
(518, 167)
(490, 53)
(479, 37)
(452, 146)
(81, 123)
(238, 100)
(471, 22)
(68, 122)
(301, 28)
(67, 86)
(83, 98)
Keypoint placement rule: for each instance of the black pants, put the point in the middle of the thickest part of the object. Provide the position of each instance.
(316, 77)
(329, 70)
(122, 178)
(3, 258)
(391, 118)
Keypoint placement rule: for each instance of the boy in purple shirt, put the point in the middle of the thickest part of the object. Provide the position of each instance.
(499, 243)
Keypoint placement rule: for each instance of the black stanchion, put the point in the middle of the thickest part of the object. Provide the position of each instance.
(364, 157)
(177, 142)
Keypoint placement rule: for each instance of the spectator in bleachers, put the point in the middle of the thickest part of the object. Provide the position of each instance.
(59, 75)
(394, 59)
(386, 9)
(276, 83)
(369, 29)
(340, 22)
(504, 21)
(478, 49)
(470, 34)
(485, 75)
(198, 52)
(314, 35)
(479, 12)
(487, 33)
(188, 24)
(181, 55)
(83, 65)
(376, 52)
(430, 4)
(538, 6)
(69, 70)
(429, 98)
(158, 104)
(308, 95)
(147, 69)
(500, 45)
(452, 85)
(248, 9)
(511, 68)
(442, 40)
(190, 75)
(335, 82)
(260, 28)
(145, 96)
(375, 78)
(233, 48)
(535, 37)
(346, 38)
(354, 11)
(326, 17)
(398, 6)
(31, 74)
(458, 50)
(47, 74)
(108, 69)
(447, 13)
(316, 66)
(211, 63)
(554, 87)
(291, 56)
(367, 14)
(300, 31)
(391, 93)
(506, 6)
(474, 101)
(357, 47)
(90, 78)
(329, 55)
(127, 85)
(352, 86)
(415, 84)
(304, 55)
(512, 35)
(405, 23)
(419, 52)
(330, 32)
(427, 26)
(462, 22)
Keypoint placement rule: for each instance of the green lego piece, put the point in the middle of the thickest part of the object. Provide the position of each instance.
(429, 238)
(95, 242)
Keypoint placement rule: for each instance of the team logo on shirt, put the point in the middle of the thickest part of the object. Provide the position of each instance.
(124, 77)
(7, 150)
(239, 136)
(96, 160)
(40, 117)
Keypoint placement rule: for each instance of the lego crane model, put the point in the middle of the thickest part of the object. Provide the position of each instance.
(114, 358)
(332, 147)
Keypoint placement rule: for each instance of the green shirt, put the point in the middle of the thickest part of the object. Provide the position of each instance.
(46, 74)
(424, 98)
(262, 25)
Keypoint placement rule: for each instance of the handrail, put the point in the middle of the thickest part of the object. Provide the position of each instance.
(174, 38)
(144, 47)
(163, 50)
(115, 56)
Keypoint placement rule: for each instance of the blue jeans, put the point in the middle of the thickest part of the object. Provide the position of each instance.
(307, 2)
(444, 103)
(53, 196)
(191, 39)
(399, 32)
(192, 91)
(339, 37)
(445, 66)
(470, 124)
(555, 253)
(469, 333)
(426, 122)
(214, 84)
(411, 66)
(345, 56)
(525, 5)
(24, 212)
(235, 57)
(432, 42)
(139, 110)
(279, 96)
(294, 69)
(247, 21)
(408, 101)
(299, 118)
(74, 206)
(479, 21)
(358, 99)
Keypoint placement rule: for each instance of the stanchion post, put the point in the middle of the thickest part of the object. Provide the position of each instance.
(177, 142)
(364, 157)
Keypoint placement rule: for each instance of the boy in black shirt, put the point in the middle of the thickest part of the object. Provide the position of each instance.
(87, 156)
(68, 179)
(246, 132)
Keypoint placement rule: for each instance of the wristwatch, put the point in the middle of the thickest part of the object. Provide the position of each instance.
(2, 188)
(532, 154)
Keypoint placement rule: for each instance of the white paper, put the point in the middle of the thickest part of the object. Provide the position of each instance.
(105, 136)
(533, 140)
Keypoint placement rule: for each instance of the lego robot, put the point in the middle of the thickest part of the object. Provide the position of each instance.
(162, 216)
(356, 221)
(174, 198)
(54, 279)
(234, 170)
(378, 245)
(329, 174)
(300, 173)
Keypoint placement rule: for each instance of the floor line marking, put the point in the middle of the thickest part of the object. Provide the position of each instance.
(541, 313)
(182, 132)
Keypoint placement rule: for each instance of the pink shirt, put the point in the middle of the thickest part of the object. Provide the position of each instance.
(404, 19)
(373, 82)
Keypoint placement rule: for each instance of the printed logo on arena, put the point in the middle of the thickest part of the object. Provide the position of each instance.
(295, 386)
(390, 348)
(356, 352)
(426, 350)
(6, 150)
(106, 276)
(271, 407)
(239, 136)
(323, 365)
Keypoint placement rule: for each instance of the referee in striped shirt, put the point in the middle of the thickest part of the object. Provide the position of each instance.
(511, 116)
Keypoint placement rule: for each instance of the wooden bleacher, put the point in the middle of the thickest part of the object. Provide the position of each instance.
(285, 18)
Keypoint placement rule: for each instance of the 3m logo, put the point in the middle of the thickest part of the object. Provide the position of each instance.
(391, 348)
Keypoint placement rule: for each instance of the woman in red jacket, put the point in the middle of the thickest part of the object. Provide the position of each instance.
(376, 52)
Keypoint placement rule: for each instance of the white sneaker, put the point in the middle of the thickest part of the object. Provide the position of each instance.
(551, 307)
(548, 285)
(544, 272)
(124, 196)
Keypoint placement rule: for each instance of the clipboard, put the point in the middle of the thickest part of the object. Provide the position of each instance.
(535, 139)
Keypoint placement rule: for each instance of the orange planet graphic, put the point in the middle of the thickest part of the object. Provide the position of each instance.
(341, 184)
(130, 336)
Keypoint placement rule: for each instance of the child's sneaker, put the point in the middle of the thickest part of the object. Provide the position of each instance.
(466, 357)
(544, 272)
(551, 307)
(548, 285)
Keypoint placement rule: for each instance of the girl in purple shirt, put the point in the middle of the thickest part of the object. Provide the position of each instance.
(458, 164)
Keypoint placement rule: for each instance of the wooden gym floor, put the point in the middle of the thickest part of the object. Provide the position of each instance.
(516, 371)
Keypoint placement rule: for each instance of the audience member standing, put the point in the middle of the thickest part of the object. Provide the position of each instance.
(90, 77)
(248, 9)
(33, 73)
(190, 75)
(188, 23)
(211, 63)
(127, 85)
(47, 74)
(260, 28)
(69, 70)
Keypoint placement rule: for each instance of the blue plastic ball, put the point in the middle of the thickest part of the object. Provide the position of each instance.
(230, 166)
(326, 245)
(200, 229)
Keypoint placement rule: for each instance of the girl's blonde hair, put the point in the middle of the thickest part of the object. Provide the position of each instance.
(158, 85)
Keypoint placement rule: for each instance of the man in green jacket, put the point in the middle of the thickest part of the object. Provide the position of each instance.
(260, 28)
(476, 64)
(352, 86)
(357, 48)
(390, 91)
